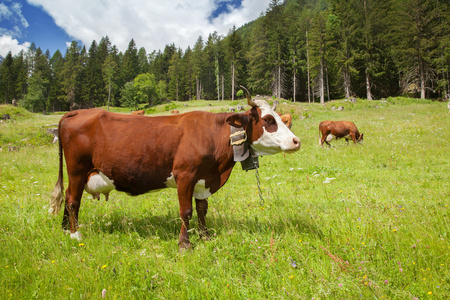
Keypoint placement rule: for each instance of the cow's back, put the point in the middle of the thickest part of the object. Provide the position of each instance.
(337, 128)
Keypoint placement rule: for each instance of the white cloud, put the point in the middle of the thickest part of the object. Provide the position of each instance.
(5, 12)
(7, 43)
(151, 23)
(12, 14)
(17, 12)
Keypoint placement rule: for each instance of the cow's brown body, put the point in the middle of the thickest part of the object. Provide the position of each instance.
(339, 129)
(138, 112)
(135, 154)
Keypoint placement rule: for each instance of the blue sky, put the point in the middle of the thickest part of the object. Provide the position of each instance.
(53, 24)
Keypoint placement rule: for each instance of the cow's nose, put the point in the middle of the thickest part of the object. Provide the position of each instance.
(296, 142)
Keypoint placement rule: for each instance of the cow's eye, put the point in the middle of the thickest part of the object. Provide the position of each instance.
(269, 123)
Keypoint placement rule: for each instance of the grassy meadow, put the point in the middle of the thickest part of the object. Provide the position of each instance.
(367, 221)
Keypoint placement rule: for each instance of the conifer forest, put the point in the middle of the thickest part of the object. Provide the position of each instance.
(298, 50)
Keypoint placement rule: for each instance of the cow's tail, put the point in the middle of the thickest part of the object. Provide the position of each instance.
(57, 198)
(320, 136)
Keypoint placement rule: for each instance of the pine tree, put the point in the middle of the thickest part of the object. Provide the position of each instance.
(197, 65)
(21, 74)
(441, 56)
(296, 48)
(109, 71)
(130, 65)
(275, 25)
(234, 47)
(318, 42)
(210, 73)
(175, 75)
(57, 95)
(7, 77)
(35, 97)
(94, 88)
(114, 57)
(71, 74)
(144, 66)
(39, 81)
(413, 43)
(188, 78)
(259, 71)
(344, 30)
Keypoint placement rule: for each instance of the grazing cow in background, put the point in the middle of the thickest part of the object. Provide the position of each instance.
(138, 112)
(287, 120)
(175, 112)
(339, 129)
(191, 152)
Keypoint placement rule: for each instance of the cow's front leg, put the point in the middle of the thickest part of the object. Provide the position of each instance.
(185, 193)
(202, 208)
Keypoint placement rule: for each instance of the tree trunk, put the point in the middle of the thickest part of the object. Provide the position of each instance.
(447, 93)
(217, 79)
(177, 89)
(328, 85)
(232, 81)
(197, 88)
(346, 83)
(223, 87)
(279, 81)
(321, 83)
(109, 93)
(422, 80)
(307, 62)
(295, 81)
(368, 90)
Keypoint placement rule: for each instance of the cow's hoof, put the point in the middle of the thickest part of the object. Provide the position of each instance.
(76, 235)
(204, 235)
(184, 246)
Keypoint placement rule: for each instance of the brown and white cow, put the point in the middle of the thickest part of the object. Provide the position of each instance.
(191, 152)
(138, 112)
(339, 129)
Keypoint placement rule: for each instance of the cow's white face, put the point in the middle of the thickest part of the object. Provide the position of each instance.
(276, 137)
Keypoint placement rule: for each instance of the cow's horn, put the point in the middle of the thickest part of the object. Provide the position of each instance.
(249, 97)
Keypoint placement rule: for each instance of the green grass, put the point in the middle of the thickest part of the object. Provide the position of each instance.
(378, 230)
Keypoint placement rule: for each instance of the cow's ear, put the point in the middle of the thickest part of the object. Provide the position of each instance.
(238, 120)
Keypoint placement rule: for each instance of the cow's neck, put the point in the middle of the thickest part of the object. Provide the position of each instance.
(241, 149)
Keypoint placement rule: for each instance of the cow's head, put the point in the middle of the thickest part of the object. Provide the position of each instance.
(266, 133)
(360, 138)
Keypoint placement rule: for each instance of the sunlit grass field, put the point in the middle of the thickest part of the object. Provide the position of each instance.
(367, 221)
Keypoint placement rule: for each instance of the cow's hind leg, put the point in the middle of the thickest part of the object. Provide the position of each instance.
(185, 193)
(322, 140)
(202, 208)
(72, 206)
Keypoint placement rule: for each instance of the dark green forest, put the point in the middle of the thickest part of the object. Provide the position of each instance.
(300, 50)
